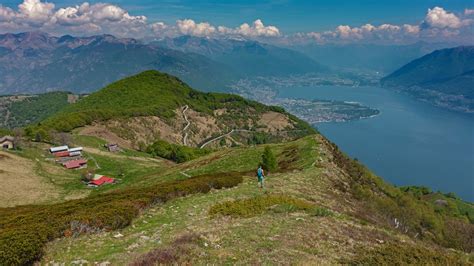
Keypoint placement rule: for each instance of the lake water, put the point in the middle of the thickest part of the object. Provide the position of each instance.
(409, 143)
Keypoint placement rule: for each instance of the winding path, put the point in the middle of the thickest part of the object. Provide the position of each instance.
(224, 135)
(185, 137)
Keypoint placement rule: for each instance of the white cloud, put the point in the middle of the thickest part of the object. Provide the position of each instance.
(6, 14)
(468, 12)
(189, 27)
(440, 18)
(257, 29)
(88, 19)
(437, 25)
(35, 11)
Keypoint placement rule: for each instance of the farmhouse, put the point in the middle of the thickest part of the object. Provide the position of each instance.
(58, 149)
(112, 147)
(74, 164)
(99, 180)
(6, 142)
(65, 151)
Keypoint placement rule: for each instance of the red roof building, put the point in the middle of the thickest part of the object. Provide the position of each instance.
(102, 180)
(62, 154)
(75, 164)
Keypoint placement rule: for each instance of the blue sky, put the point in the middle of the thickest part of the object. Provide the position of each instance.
(288, 16)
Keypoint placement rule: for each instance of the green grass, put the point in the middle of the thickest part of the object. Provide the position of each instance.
(271, 202)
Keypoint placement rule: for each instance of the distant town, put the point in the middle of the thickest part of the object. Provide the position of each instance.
(264, 90)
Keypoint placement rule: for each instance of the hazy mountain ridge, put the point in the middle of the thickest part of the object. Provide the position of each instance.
(443, 77)
(246, 57)
(367, 57)
(37, 62)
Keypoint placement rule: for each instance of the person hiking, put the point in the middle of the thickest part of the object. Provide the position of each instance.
(260, 176)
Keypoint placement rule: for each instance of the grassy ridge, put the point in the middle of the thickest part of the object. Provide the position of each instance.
(150, 93)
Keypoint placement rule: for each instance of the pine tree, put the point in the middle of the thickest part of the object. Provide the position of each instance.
(269, 162)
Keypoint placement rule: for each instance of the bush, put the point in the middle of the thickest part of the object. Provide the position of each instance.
(24, 230)
(269, 162)
(260, 204)
(403, 254)
(174, 152)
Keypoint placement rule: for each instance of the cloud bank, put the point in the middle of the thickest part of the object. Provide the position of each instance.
(88, 19)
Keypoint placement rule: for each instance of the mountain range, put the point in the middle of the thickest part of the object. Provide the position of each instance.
(444, 77)
(34, 62)
(247, 58)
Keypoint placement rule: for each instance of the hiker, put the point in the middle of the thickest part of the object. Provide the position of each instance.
(260, 176)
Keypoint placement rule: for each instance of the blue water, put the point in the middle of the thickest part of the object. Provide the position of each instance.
(409, 143)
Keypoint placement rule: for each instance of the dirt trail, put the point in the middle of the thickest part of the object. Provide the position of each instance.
(224, 135)
(185, 138)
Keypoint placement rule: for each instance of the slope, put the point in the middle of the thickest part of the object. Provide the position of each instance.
(319, 206)
(443, 77)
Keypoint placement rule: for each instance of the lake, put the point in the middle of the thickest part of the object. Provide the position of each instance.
(409, 143)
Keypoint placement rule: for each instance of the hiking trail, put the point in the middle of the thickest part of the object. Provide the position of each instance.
(224, 135)
(185, 137)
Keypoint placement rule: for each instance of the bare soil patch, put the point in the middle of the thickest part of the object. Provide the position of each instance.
(275, 121)
(20, 184)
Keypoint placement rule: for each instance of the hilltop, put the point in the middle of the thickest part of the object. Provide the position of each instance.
(443, 77)
(138, 110)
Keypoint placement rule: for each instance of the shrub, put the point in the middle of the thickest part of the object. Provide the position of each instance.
(269, 161)
(174, 152)
(24, 230)
(260, 204)
(177, 253)
(403, 254)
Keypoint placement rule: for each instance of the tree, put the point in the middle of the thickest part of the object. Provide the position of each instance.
(18, 138)
(222, 142)
(269, 162)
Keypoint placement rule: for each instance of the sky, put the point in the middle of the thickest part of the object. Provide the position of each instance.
(279, 20)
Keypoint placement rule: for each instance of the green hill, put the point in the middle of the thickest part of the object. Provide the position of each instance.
(22, 110)
(155, 94)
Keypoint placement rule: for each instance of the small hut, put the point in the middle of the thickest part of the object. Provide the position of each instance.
(7, 142)
(112, 147)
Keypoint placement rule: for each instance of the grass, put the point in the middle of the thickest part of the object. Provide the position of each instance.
(260, 204)
(402, 254)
